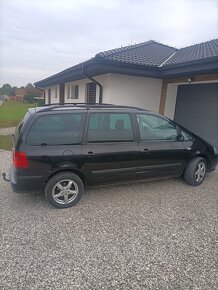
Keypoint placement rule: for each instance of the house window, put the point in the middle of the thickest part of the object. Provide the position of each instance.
(49, 96)
(68, 91)
(91, 93)
(74, 92)
(56, 93)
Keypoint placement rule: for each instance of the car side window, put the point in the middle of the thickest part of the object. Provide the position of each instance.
(57, 129)
(155, 128)
(109, 127)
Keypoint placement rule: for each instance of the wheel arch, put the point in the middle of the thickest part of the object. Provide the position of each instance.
(81, 176)
(205, 156)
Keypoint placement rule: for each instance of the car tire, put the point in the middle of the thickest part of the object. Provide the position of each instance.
(195, 171)
(64, 189)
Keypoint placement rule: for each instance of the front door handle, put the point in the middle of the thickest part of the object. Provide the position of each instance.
(146, 150)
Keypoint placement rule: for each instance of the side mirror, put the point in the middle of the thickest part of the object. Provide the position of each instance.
(180, 137)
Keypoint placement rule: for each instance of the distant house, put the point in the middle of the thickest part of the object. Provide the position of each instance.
(179, 83)
(21, 92)
(15, 98)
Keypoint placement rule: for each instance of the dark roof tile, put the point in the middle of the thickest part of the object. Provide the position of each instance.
(150, 53)
(195, 52)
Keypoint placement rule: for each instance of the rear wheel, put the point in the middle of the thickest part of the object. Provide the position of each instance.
(64, 189)
(195, 171)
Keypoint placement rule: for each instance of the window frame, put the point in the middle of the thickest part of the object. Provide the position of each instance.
(49, 95)
(88, 96)
(76, 92)
(157, 116)
(132, 120)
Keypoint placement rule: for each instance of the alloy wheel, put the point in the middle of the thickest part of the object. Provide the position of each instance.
(200, 172)
(65, 191)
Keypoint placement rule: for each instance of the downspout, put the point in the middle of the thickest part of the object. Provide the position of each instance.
(97, 83)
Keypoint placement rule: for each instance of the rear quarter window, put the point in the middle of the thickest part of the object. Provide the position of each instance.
(57, 129)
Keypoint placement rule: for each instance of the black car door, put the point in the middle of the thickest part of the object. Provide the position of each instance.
(54, 142)
(161, 153)
(110, 152)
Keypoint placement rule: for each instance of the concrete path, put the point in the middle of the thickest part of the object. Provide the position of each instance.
(7, 131)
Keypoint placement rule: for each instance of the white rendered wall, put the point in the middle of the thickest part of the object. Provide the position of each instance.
(120, 90)
(53, 99)
(134, 91)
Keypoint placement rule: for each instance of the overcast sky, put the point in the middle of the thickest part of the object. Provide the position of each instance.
(42, 37)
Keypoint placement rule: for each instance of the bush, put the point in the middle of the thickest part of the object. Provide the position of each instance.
(39, 102)
(29, 99)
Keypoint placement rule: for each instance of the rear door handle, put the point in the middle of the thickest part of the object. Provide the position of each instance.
(90, 154)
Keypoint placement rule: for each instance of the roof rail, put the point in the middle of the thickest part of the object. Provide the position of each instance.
(87, 106)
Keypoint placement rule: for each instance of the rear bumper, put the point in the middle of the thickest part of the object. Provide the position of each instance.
(25, 183)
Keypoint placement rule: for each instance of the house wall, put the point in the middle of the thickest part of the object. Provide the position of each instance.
(53, 99)
(118, 89)
(103, 79)
(134, 91)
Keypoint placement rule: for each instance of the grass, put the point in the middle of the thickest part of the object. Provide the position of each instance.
(5, 142)
(12, 112)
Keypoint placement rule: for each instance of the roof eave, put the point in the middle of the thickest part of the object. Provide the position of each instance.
(63, 75)
(194, 67)
(98, 66)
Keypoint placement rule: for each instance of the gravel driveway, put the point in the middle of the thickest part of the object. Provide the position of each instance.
(155, 235)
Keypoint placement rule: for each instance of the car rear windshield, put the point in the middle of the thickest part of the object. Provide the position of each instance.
(57, 129)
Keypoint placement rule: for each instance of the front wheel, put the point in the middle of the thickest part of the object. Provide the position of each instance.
(64, 189)
(195, 171)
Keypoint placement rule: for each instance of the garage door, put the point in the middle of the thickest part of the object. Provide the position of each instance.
(197, 110)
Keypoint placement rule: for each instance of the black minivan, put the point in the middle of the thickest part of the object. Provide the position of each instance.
(61, 149)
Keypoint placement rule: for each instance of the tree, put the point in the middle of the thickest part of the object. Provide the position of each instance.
(13, 91)
(29, 86)
(6, 89)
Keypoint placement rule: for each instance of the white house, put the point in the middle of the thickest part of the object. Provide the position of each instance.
(179, 83)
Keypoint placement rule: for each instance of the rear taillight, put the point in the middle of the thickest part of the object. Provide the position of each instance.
(20, 159)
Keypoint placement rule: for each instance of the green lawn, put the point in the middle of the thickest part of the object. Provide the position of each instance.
(5, 142)
(12, 112)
